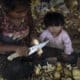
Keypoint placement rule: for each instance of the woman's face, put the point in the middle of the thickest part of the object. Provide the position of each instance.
(18, 13)
(55, 30)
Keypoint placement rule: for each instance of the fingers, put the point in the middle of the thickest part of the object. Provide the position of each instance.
(40, 51)
(22, 51)
(12, 56)
(19, 35)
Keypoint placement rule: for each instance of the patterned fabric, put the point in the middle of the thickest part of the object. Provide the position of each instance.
(7, 27)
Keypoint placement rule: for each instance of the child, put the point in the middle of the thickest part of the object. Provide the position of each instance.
(57, 36)
(14, 27)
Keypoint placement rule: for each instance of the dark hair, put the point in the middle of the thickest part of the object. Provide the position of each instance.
(53, 19)
(9, 5)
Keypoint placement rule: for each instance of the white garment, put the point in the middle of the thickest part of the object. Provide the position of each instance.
(62, 41)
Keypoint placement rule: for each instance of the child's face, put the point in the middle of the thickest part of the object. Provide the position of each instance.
(19, 13)
(55, 30)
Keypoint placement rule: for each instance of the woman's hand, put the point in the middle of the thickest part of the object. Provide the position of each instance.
(22, 51)
(22, 35)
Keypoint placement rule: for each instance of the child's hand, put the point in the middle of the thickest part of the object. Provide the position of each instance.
(65, 57)
(22, 51)
(39, 52)
(36, 42)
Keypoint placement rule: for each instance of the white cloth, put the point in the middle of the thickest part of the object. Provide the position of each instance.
(62, 41)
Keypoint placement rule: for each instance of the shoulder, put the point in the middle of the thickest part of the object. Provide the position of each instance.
(45, 32)
(64, 33)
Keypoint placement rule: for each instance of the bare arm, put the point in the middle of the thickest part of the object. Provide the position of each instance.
(9, 48)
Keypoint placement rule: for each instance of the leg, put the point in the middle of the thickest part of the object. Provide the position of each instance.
(18, 69)
(49, 53)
